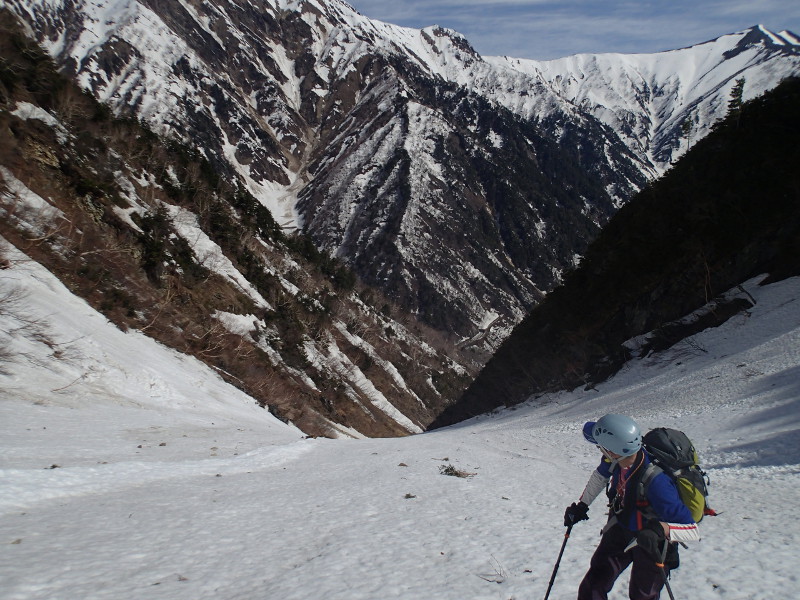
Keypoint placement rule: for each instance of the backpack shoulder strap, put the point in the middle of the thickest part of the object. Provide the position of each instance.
(643, 505)
(650, 473)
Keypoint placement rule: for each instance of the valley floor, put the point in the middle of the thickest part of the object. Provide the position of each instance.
(129, 472)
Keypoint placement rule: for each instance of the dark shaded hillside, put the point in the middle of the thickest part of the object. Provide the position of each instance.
(728, 211)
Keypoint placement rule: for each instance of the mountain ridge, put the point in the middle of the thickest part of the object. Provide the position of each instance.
(281, 95)
(685, 79)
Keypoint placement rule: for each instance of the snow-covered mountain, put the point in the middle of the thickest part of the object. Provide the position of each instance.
(660, 104)
(149, 234)
(462, 186)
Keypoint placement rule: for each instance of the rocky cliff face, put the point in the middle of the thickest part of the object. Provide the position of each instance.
(462, 186)
(149, 233)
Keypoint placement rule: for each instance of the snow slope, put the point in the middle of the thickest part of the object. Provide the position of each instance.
(171, 484)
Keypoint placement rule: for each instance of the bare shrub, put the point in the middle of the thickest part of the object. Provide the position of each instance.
(17, 323)
(452, 471)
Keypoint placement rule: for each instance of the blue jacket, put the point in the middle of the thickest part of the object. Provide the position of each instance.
(662, 496)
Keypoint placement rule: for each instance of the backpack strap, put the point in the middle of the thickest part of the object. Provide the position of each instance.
(630, 504)
(651, 471)
(609, 491)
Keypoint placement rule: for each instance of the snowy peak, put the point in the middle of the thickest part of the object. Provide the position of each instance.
(447, 41)
(348, 34)
(204, 270)
(790, 37)
(660, 104)
(759, 37)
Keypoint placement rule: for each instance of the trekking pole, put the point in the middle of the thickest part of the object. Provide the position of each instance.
(664, 570)
(558, 561)
(659, 564)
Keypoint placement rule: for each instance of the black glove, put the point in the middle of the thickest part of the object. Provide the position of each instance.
(651, 539)
(577, 511)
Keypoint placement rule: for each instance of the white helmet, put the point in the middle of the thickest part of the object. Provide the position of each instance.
(618, 434)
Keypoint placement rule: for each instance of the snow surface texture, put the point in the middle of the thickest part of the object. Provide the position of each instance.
(129, 471)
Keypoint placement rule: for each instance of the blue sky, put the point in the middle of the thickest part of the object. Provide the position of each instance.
(544, 29)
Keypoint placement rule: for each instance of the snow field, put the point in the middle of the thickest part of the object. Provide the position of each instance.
(171, 484)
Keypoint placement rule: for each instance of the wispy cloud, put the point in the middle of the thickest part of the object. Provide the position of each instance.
(549, 29)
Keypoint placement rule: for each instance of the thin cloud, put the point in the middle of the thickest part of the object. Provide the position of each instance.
(543, 29)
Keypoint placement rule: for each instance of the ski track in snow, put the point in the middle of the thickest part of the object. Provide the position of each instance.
(171, 484)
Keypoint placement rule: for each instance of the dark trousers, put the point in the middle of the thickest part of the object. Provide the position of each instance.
(610, 560)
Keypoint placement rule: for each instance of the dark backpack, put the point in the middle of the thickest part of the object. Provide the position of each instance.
(673, 453)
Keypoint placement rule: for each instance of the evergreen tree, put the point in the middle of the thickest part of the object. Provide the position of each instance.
(686, 129)
(736, 101)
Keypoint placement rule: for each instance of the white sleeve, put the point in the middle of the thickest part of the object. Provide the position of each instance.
(595, 485)
(684, 532)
